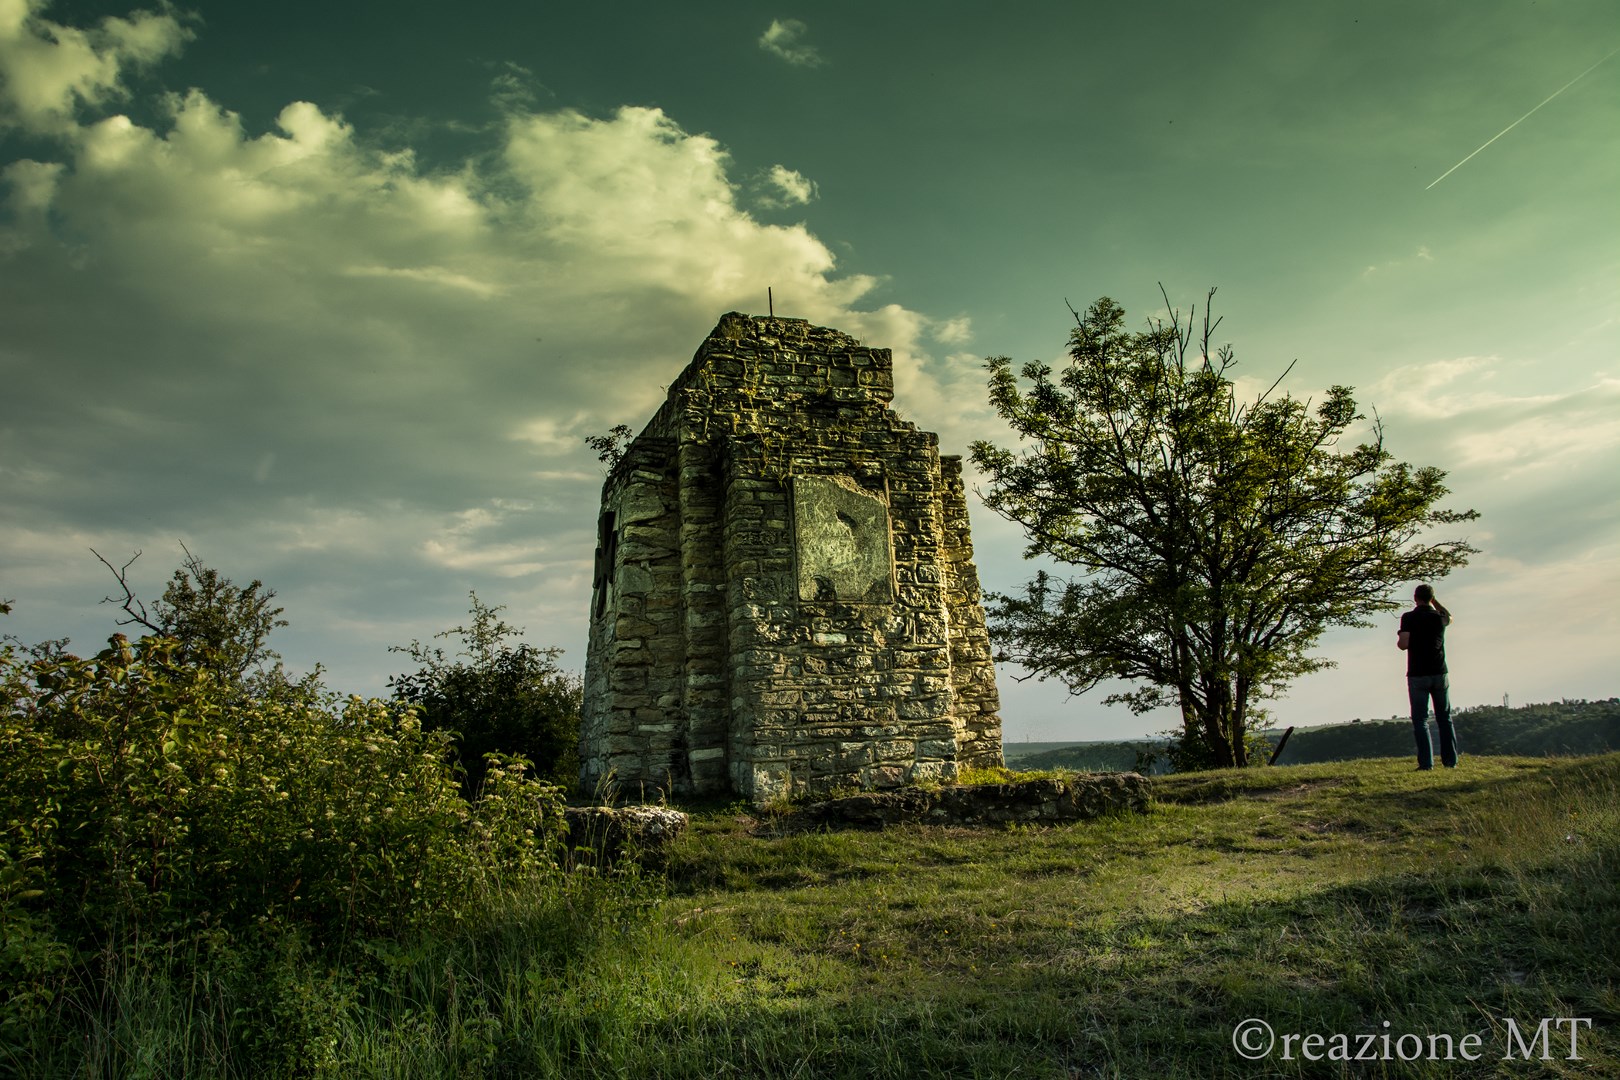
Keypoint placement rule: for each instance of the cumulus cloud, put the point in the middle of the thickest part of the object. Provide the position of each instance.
(320, 362)
(784, 38)
(51, 70)
(788, 187)
(1507, 432)
(1531, 461)
(1579, 432)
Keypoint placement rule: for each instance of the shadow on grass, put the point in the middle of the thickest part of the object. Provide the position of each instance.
(1432, 954)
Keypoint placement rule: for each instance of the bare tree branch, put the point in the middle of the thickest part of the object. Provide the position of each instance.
(130, 603)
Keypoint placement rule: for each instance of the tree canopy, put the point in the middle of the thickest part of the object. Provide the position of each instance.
(1217, 538)
(496, 698)
(214, 622)
(213, 625)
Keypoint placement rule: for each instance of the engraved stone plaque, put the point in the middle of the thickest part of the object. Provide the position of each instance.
(841, 538)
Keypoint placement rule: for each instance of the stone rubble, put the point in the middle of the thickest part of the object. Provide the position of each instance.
(601, 835)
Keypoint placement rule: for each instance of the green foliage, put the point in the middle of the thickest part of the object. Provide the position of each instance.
(497, 698)
(214, 622)
(994, 774)
(143, 795)
(1180, 751)
(1217, 539)
(208, 869)
(610, 447)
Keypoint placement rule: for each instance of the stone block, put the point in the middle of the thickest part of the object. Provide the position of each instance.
(603, 835)
(640, 504)
(634, 580)
(841, 539)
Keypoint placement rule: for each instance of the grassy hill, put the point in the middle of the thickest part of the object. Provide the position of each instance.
(1326, 898)
(1330, 898)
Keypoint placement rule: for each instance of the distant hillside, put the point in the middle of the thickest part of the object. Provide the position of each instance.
(1558, 727)
(1553, 728)
(1018, 751)
(1084, 757)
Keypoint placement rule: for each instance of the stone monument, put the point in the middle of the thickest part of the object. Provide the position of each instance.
(785, 602)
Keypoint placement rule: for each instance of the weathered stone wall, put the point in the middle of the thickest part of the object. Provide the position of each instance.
(1041, 802)
(785, 599)
(973, 675)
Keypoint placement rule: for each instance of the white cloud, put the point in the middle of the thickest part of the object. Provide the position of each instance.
(1574, 435)
(792, 188)
(431, 275)
(464, 543)
(952, 331)
(1488, 425)
(553, 433)
(785, 38)
(308, 355)
(50, 69)
(1418, 386)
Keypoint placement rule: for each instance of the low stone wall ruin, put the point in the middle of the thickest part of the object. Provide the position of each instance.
(1043, 801)
(601, 835)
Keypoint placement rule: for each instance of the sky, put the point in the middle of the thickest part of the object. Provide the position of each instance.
(332, 294)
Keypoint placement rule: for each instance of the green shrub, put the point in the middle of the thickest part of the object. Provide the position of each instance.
(498, 698)
(1184, 752)
(142, 795)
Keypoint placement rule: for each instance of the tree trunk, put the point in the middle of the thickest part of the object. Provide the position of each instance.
(1214, 712)
(1240, 722)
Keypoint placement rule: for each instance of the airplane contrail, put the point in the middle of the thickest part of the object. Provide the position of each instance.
(1519, 121)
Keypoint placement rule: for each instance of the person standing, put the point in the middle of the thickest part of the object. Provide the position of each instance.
(1423, 638)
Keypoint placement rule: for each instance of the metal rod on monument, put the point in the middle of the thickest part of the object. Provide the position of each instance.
(770, 302)
(1282, 742)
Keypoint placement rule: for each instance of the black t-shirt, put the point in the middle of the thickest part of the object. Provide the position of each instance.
(1426, 645)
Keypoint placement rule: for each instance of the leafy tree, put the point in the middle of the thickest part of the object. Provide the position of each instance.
(1218, 539)
(215, 623)
(496, 698)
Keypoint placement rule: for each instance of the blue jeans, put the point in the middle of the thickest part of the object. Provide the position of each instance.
(1420, 688)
